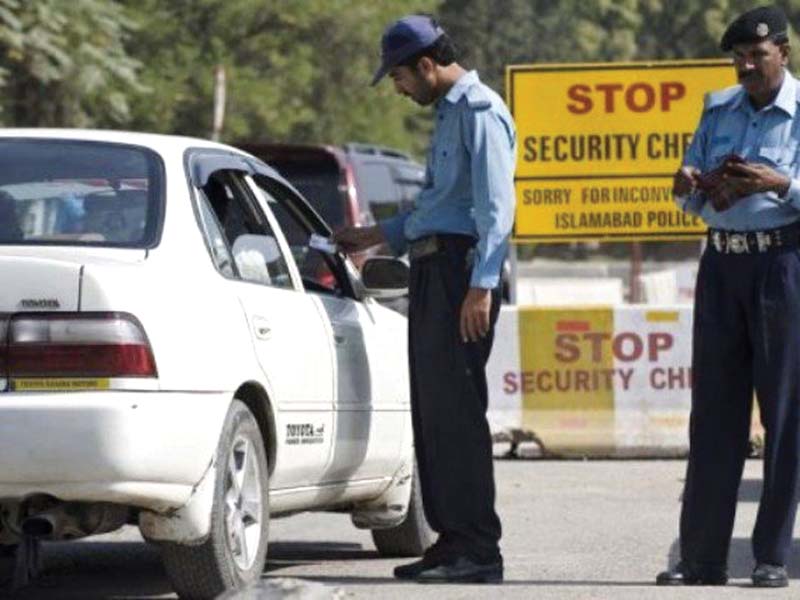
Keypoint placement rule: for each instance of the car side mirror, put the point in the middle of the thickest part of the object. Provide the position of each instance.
(385, 278)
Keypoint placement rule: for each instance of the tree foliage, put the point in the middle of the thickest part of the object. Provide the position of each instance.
(296, 71)
(299, 71)
(496, 34)
(65, 62)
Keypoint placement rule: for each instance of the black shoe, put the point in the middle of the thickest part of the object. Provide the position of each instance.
(433, 557)
(685, 574)
(463, 570)
(770, 576)
(412, 570)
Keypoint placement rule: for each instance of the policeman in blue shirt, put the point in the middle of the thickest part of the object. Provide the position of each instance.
(457, 238)
(742, 176)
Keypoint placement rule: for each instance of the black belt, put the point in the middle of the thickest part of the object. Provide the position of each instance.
(754, 242)
(431, 244)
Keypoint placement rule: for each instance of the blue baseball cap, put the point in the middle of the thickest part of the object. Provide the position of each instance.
(403, 39)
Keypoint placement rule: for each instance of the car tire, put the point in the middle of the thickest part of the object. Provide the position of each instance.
(413, 536)
(235, 551)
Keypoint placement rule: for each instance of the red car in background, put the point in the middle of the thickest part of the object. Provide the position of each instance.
(351, 185)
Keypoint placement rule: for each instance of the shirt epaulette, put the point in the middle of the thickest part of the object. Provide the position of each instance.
(477, 98)
(722, 97)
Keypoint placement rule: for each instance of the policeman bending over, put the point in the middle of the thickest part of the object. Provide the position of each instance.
(456, 238)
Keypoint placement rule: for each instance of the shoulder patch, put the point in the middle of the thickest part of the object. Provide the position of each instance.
(477, 98)
(722, 97)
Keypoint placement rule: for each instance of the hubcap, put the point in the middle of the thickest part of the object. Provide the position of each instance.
(243, 503)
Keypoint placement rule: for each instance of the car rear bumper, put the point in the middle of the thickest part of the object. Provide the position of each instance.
(145, 449)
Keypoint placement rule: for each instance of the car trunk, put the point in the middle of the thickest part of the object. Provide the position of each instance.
(49, 279)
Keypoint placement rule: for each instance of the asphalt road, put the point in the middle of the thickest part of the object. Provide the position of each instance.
(573, 529)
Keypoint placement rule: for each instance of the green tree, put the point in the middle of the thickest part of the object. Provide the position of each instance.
(65, 63)
(493, 35)
(10, 37)
(496, 34)
(692, 29)
(296, 71)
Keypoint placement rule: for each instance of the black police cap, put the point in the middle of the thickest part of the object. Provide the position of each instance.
(757, 25)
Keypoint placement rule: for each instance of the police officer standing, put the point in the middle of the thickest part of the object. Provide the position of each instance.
(742, 176)
(456, 238)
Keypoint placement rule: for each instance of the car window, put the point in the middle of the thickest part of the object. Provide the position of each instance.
(248, 241)
(79, 193)
(317, 178)
(220, 252)
(320, 272)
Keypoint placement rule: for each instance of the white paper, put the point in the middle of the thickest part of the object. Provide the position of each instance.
(322, 244)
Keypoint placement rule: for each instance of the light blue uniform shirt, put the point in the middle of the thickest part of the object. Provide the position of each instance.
(731, 125)
(469, 185)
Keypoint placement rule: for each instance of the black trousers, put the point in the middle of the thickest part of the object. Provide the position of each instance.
(746, 337)
(449, 399)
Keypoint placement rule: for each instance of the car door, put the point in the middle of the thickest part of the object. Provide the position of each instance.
(290, 338)
(370, 409)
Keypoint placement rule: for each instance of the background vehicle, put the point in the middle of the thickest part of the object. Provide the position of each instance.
(354, 185)
(169, 359)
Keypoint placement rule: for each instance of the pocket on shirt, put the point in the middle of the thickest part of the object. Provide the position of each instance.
(779, 157)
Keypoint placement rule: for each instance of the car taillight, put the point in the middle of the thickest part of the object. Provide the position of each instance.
(96, 345)
(351, 197)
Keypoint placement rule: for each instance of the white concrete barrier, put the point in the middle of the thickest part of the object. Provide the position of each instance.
(594, 380)
(560, 291)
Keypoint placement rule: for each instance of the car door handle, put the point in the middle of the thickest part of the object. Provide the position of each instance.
(339, 340)
(262, 329)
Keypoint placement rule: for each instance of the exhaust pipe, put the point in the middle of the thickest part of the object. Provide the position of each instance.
(72, 520)
(41, 526)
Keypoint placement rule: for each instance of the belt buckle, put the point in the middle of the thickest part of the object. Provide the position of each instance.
(424, 247)
(716, 240)
(764, 240)
(737, 243)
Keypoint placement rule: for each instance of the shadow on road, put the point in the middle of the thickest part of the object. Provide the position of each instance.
(740, 559)
(740, 556)
(283, 555)
(92, 570)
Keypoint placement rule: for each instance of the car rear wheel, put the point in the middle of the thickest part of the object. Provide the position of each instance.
(235, 551)
(413, 536)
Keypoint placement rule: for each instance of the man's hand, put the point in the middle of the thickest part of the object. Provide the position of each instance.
(752, 178)
(743, 179)
(475, 314)
(353, 240)
(685, 180)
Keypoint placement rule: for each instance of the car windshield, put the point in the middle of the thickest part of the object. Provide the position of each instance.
(82, 193)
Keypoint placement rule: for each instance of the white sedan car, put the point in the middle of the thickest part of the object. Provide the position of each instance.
(174, 354)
